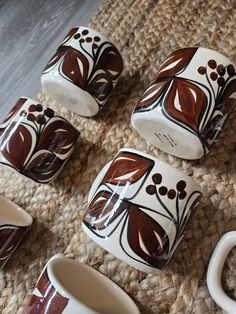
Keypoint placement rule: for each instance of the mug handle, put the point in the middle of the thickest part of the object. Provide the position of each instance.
(214, 272)
(97, 181)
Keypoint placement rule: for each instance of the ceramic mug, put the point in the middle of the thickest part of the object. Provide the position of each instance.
(83, 72)
(186, 105)
(138, 209)
(214, 272)
(69, 287)
(14, 223)
(35, 141)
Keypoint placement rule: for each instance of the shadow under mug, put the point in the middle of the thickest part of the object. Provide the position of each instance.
(14, 224)
(138, 209)
(214, 272)
(35, 141)
(69, 287)
(83, 72)
(185, 107)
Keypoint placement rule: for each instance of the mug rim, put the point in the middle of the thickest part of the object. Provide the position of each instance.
(214, 272)
(28, 219)
(83, 267)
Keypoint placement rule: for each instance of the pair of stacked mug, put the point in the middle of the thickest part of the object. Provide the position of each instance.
(138, 206)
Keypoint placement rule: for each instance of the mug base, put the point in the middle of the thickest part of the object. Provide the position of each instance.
(70, 96)
(171, 139)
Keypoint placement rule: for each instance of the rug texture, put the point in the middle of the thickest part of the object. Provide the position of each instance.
(145, 31)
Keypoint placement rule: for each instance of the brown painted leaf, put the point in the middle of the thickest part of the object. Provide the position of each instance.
(147, 238)
(49, 302)
(190, 210)
(126, 168)
(56, 57)
(15, 109)
(58, 136)
(103, 210)
(71, 33)
(228, 98)
(185, 103)
(16, 144)
(42, 166)
(100, 86)
(10, 236)
(153, 92)
(176, 62)
(110, 61)
(76, 66)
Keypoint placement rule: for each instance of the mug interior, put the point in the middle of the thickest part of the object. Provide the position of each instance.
(10, 213)
(90, 288)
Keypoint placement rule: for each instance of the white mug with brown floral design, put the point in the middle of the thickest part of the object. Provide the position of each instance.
(186, 105)
(138, 209)
(83, 72)
(66, 286)
(35, 141)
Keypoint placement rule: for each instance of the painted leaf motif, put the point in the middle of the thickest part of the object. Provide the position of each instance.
(45, 298)
(43, 166)
(151, 95)
(127, 168)
(10, 236)
(16, 144)
(59, 137)
(71, 33)
(176, 62)
(110, 60)
(56, 57)
(224, 106)
(185, 102)
(103, 210)
(228, 99)
(14, 110)
(76, 66)
(147, 238)
(100, 86)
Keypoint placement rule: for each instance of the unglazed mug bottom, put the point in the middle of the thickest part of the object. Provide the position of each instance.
(70, 96)
(172, 140)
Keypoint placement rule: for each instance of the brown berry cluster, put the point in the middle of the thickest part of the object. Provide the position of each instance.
(39, 118)
(85, 37)
(218, 71)
(164, 191)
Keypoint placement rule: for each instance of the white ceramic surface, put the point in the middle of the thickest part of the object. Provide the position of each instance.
(214, 273)
(14, 223)
(185, 106)
(111, 225)
(82, 289)
(83, 71)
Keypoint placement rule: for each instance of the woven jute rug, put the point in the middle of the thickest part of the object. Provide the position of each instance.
(146, 32)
